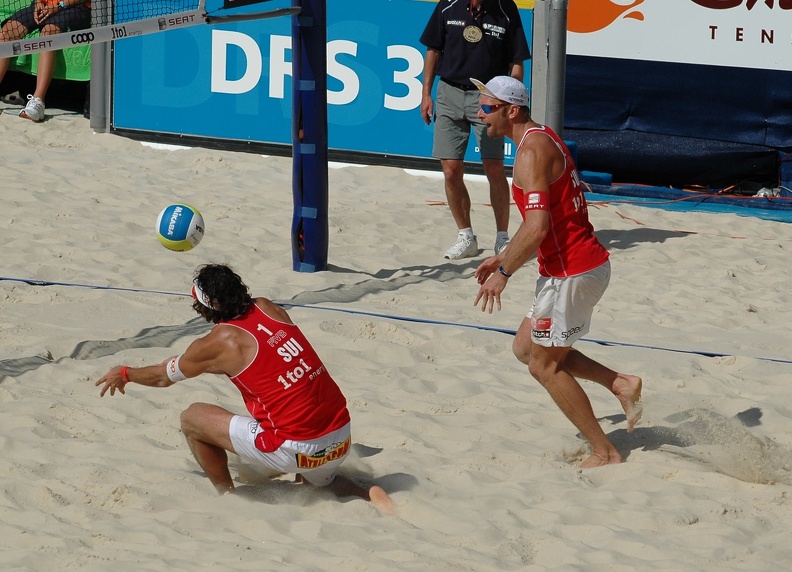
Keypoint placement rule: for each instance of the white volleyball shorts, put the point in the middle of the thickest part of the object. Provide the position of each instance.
(562, 308)
(316, 460)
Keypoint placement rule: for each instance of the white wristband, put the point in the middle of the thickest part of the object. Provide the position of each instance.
(173, 371)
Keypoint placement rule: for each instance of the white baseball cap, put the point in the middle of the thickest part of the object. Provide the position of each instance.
(505, 88)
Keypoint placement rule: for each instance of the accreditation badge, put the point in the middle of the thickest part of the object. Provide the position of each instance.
(472, 34)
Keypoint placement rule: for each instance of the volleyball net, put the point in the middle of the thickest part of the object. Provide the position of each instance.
(119, 19)
(113, 20)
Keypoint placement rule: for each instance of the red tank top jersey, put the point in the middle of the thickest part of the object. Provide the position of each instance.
(286, 387)
(570, 247)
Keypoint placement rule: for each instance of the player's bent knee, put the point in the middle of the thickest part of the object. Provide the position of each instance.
(184, 421)
(538, 372)
(521, 352)
(188, 417)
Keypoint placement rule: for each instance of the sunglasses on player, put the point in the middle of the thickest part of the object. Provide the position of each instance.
(490, 108)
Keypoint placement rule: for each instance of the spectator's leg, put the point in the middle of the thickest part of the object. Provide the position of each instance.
(46, 66)
(12, 30)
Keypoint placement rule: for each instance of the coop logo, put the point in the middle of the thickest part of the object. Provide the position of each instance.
(85, 38)
(587, 16)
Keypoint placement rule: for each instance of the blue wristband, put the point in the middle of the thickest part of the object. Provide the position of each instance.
(502, 271)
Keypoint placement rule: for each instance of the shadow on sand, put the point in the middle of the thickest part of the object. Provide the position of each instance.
(720, 443)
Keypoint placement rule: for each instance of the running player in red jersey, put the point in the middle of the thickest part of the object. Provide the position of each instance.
(574, 268)
(298, 420)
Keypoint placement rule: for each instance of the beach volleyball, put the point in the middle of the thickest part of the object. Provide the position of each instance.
(180, 227)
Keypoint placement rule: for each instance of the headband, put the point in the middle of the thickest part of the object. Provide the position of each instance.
(199, 295)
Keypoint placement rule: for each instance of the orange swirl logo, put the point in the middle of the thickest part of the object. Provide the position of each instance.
(586, 16)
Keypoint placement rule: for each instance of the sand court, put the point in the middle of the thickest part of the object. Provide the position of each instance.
(480, 463)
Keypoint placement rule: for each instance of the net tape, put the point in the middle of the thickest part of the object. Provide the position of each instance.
(131, 29)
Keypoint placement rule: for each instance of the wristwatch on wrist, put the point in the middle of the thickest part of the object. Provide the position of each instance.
(61, 5)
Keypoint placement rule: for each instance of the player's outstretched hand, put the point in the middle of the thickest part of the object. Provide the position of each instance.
(492, 284)
(487, 268)
(112, 380)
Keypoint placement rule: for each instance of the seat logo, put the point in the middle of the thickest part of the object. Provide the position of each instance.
(82, 38)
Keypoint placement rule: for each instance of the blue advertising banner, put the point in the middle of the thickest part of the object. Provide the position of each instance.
(232, 81)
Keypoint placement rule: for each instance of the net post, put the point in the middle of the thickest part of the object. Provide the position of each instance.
(539, 63)
(548, 63)
(557, 53)
(99, 84)
(309, 137)
(99, 87)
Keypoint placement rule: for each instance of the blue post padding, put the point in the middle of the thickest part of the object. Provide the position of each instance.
(310, 235)
(594, 178)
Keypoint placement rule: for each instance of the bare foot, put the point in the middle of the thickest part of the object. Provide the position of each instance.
(343, 486)
(381, 501)
(596, 460)
(627, 389)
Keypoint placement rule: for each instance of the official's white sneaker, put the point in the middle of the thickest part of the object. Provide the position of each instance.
(464, 247)
(34, 110)
(501, 243)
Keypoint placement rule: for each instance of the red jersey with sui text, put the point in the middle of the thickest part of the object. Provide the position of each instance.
(286, 387)
(570, 247)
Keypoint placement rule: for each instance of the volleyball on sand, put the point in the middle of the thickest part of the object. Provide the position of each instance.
(180, 227)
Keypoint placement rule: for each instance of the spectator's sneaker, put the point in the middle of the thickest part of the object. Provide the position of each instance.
(34, 110)
(464, 247)
(501, 244)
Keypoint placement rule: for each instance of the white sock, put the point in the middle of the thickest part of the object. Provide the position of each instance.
(466, 232)
(501, 234)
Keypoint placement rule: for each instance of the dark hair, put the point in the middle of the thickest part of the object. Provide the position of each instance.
(229, 296)
(525, 110)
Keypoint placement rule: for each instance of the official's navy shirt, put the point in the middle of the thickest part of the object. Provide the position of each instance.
(503, 41)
